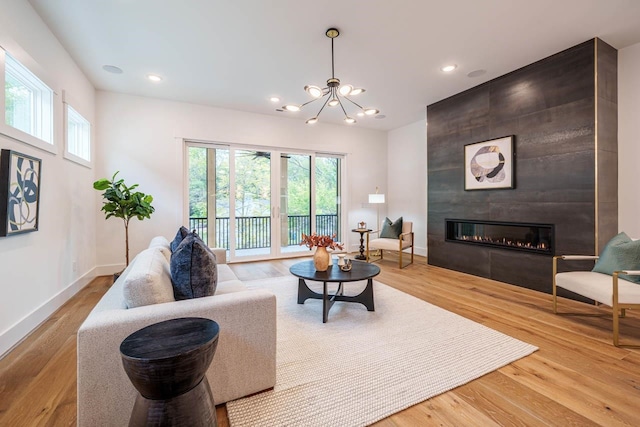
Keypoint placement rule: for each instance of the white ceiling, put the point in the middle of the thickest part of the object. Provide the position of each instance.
(237, 53)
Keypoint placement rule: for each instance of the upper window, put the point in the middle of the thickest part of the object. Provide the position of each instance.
(28, 101)
(78, 135)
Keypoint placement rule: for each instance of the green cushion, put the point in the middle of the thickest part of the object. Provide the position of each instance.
(391, 230)
(621, 253)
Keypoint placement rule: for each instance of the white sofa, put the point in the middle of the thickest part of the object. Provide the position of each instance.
(244, 362)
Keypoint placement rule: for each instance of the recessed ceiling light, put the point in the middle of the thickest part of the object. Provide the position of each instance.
(274, 99)
(112, 69)
(154, 78)
(379, 116)
(449, 68)
(476, 73)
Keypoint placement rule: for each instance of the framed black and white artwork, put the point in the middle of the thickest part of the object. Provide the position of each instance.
(19, 193)
(489, 164)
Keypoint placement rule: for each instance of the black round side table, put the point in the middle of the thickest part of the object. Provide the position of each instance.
(167, 362)
(361, 231)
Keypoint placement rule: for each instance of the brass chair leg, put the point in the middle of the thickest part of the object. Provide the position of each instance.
(412, 248)
(616, 319)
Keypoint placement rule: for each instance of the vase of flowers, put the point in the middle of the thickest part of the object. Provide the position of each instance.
(321, 258)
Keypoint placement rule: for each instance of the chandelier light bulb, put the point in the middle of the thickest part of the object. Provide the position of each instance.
(357, 91)
(312, 120)
(349, 120)
(371, 111)
(314, 91)
(360, 114)
(333, 102)
(345, 90)
(291, 107)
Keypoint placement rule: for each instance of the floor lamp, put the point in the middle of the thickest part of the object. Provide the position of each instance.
(377, 199)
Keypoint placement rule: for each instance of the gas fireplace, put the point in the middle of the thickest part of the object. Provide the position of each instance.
(536, 238)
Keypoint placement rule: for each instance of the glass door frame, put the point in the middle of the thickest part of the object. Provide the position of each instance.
(276, 152)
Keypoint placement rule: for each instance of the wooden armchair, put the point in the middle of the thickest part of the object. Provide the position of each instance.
(610, 290)
(402, 243)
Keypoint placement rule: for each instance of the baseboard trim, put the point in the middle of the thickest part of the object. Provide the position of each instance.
(23, 328)
(109, 269)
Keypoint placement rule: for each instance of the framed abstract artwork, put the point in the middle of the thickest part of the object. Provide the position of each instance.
(489, 164)
(19, 192)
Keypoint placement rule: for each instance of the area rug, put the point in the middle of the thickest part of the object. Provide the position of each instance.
(361, 366)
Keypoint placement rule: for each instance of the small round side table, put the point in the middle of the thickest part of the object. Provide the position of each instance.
(361, 231)
(167, 362)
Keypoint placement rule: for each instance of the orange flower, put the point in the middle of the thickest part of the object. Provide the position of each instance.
(313, 240)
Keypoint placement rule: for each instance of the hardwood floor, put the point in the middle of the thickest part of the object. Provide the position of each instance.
(576, 378)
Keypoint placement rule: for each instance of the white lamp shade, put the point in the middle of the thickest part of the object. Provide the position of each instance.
(376, 198)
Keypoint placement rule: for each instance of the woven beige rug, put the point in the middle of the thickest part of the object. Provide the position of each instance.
(363, 366)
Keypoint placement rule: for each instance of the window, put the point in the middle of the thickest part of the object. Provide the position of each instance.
(28, 102)
(78, 137)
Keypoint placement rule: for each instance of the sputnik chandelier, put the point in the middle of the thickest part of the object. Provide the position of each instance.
(334, 93)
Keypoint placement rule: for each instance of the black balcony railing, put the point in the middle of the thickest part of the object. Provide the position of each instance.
(254, 232)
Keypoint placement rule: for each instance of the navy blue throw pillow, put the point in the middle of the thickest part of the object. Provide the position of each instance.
(194, 271)
(180, 235)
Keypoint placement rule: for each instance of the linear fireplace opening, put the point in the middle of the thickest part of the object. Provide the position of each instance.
(535, 238)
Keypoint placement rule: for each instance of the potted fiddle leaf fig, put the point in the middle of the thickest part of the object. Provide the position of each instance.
(123, 202)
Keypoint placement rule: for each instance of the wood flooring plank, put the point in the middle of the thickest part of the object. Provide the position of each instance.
(600, 402)
(38, 403)
(25, 363)
(422, 414)
(530, 406)
(450, 409)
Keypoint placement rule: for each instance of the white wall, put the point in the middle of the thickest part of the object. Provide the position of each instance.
(407, 179)
(142, 138)
(36, 269)
(629, 140)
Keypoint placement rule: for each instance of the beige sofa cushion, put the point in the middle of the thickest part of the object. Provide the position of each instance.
(149, 279)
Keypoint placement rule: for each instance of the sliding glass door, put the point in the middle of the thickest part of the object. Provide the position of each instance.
(258, 203)
(295, 201)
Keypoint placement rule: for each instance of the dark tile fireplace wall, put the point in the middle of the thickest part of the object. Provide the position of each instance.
(551, 107)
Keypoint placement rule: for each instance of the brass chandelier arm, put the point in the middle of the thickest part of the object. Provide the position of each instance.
(354, 103)
(341, 106)
(309, 102)
(323, 105)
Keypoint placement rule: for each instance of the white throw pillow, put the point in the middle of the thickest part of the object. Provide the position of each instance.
(149, 281)
(161, 242)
